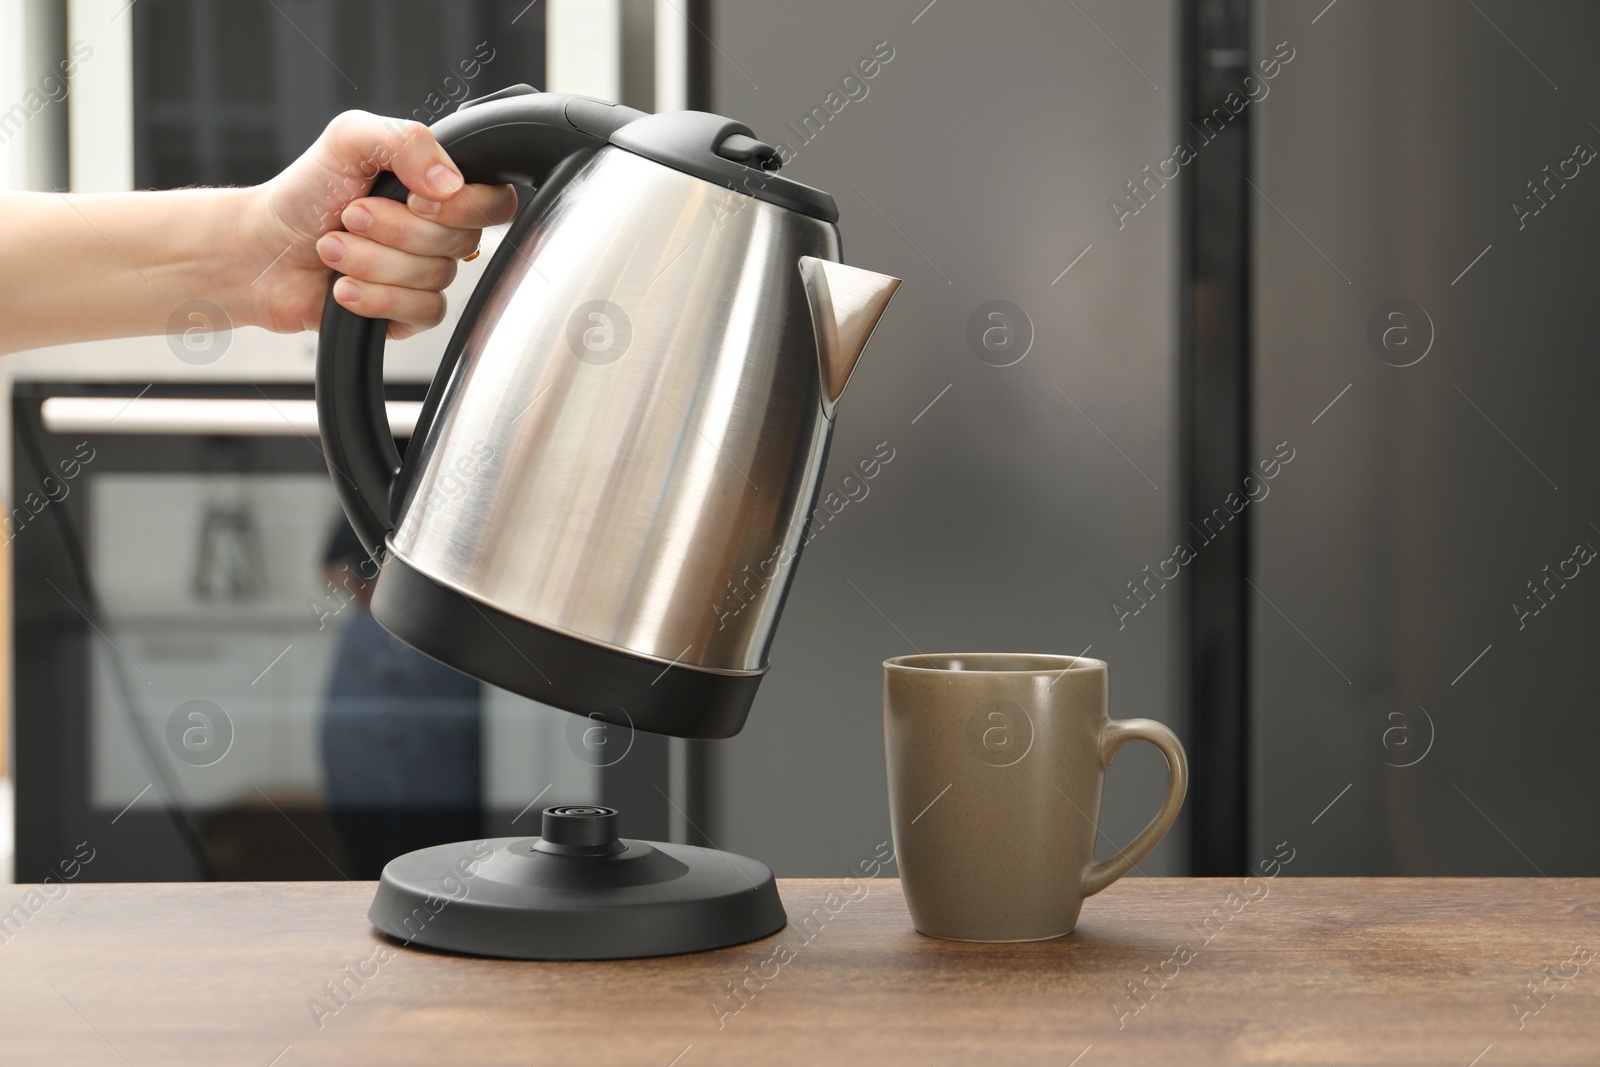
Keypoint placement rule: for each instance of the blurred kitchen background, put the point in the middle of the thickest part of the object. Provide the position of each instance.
(1246, 345)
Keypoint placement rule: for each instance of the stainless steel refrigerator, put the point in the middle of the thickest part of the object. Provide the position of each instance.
(1311, 290)
(1424, 685)
(1024, 381)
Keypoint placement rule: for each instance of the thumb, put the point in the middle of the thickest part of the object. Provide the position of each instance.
(360, 143)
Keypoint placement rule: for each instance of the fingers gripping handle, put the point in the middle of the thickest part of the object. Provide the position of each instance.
(520, 137)
(1117, 733)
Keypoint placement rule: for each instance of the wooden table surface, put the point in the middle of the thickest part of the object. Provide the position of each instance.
(1296, 970)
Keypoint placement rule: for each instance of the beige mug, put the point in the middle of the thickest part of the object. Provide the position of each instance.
(995, 766)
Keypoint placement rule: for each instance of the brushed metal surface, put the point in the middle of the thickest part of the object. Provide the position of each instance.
(629, 445)
(1416, 526)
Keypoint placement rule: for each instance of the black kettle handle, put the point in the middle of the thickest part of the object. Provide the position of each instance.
(518, 135)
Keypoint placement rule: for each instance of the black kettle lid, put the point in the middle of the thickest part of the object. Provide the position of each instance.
(724, 152)
(712, 147)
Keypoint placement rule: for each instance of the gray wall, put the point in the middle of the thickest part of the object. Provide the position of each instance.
(1425, 499)
(977, 167)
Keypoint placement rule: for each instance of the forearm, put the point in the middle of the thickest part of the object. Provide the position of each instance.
(80, 267)
(87, 267)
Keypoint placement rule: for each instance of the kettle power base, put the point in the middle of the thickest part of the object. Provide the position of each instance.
(508, 898)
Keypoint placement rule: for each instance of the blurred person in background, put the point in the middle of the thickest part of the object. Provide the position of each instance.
(401, 735)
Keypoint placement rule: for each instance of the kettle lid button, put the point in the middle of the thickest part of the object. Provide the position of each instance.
(749, 151)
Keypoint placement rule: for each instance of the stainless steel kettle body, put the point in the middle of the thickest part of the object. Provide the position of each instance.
(605, 501)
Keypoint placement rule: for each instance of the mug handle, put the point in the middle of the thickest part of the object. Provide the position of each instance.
(1113, 736)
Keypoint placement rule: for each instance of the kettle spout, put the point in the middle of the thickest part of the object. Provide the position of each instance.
(846, 304)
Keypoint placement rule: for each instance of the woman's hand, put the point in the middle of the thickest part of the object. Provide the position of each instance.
(396, 258)
(86, 266)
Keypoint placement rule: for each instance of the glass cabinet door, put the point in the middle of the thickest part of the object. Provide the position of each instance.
(227, 92)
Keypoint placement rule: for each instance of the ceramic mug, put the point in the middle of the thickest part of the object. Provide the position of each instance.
(995, 766)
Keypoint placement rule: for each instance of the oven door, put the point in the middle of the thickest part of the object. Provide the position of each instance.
(199, 691)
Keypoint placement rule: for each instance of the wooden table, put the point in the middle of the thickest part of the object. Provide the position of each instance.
(1306, 971)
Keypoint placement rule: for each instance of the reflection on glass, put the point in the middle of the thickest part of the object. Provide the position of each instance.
(227, 92)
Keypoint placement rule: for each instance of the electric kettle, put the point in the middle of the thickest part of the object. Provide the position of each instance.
(605, 496)
(604, 499)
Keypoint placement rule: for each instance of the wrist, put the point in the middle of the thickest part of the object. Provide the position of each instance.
(240, 253)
